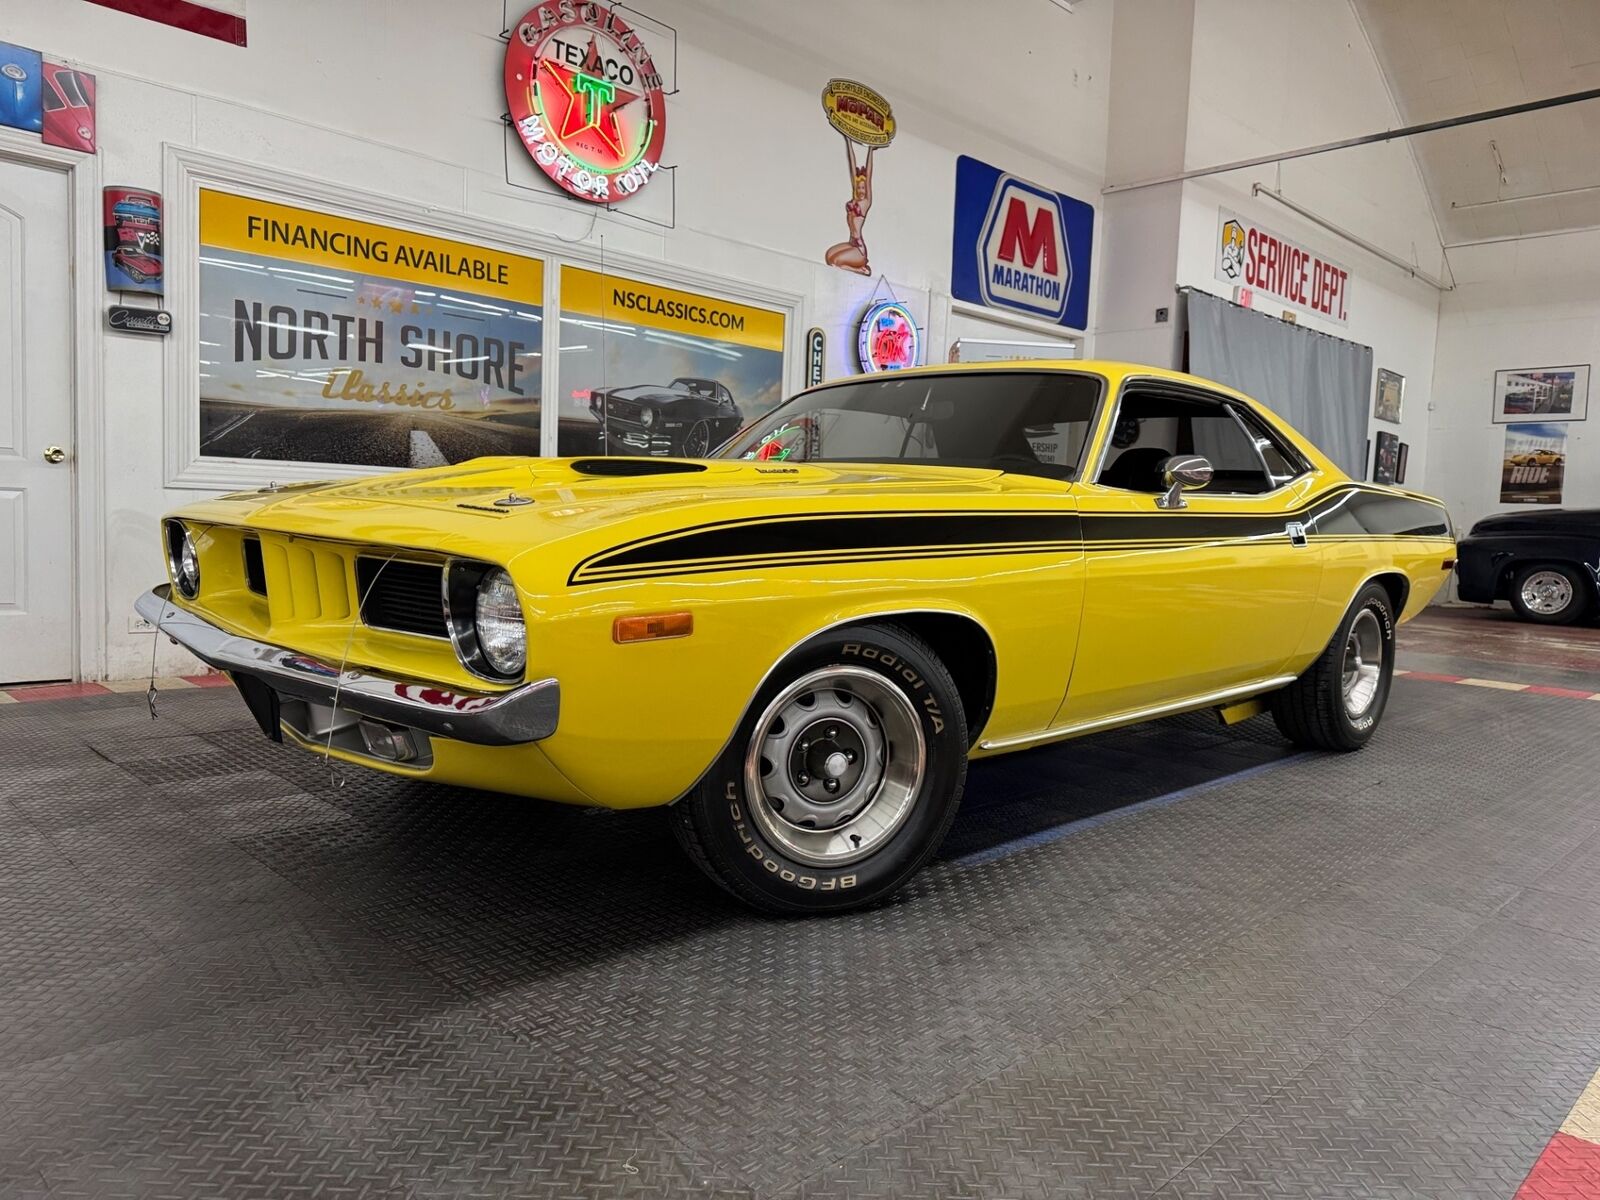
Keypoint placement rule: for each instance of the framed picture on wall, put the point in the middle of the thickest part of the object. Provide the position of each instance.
(1391, 389)
(1387, 462)
(1541, 394)
(1400, 464)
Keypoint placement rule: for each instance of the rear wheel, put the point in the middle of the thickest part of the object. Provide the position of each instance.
(1339, 700)
(840, 782)
(1550, 594)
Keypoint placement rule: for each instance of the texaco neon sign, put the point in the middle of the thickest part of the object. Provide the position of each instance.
(586, 99)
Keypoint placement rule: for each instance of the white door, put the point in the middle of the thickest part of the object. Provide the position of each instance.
(36, 494)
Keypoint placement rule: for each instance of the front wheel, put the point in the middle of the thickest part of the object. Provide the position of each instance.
(840, 782)
(1550, 594)
(697, 442)
(1337, 702)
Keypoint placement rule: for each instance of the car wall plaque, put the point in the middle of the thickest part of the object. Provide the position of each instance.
(586, 99)
(153, 322)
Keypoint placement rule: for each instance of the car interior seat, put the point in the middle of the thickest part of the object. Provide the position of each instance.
(1137, 470)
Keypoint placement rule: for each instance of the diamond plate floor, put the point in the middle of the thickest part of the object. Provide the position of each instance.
(228, 971)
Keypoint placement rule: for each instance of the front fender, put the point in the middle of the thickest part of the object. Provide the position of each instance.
(642, 722)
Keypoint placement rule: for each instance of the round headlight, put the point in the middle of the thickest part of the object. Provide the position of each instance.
(648, 418)
(502, 637)
(183, 560)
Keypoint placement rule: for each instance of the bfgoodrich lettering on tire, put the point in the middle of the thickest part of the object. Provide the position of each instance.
(840, 782)
(1339, 700)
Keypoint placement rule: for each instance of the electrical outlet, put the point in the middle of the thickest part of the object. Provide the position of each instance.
(137, 624)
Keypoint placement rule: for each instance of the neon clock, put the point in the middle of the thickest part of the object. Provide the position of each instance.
(888, 339)
(586, 99)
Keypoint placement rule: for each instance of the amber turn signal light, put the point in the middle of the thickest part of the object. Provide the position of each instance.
(652, 627)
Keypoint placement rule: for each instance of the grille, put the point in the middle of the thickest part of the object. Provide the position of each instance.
(255, 571)
(624, 410)
(403, 596)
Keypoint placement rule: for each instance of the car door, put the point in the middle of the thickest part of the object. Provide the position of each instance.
(1197, 600)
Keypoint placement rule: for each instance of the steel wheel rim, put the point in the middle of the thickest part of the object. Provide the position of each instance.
(697, 442)
(1363, 663)
(1546, 593)
(847, 725)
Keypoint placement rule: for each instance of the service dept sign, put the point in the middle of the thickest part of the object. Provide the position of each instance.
(1020, 246)
(1252, 256)
(586, 99)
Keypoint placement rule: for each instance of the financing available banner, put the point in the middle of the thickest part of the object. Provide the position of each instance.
(649, 369)
(327, 339)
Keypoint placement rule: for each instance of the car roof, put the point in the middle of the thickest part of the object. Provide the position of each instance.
(1111, 369)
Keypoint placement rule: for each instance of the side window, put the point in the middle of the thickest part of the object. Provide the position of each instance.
(1283, 461)
(1153, 425)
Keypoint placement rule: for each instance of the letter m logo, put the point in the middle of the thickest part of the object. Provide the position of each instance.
(1024, 262)
(1030, 238)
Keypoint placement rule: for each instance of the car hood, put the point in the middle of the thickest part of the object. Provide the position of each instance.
(483, 507)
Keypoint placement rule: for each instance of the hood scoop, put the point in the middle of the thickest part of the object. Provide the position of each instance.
(622, 467)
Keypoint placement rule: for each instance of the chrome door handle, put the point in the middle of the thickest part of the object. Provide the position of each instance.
(1296, 532)
(54, 454)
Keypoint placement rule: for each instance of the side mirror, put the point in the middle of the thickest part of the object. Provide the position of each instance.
(1182, 473)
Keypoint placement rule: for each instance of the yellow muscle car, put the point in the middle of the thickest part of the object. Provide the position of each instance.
(799, 642)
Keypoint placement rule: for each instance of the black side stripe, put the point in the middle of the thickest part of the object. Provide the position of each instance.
(1346, 513)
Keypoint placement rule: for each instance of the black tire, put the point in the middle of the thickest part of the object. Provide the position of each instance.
(1535, 606)
(1314, 711)
(739, 839)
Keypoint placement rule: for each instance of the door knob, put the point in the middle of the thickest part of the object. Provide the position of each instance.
(54, 454)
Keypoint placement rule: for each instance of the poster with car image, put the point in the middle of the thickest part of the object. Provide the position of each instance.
(652, 370)
(331, 340)
(1534, 466)
(1547, 393)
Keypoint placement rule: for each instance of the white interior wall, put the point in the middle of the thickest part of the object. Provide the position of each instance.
(1273, 75)
(401, 99)
(1530, 303)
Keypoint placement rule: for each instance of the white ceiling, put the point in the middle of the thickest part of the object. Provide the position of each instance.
(1445, 58)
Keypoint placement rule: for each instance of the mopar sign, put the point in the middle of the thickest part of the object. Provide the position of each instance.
(1020, 246)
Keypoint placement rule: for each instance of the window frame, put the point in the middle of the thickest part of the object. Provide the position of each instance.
(1155, 384)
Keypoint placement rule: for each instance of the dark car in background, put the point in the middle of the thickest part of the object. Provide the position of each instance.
(687, 418)
(1546, 564)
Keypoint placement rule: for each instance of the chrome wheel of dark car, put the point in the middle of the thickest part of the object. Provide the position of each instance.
(834, 766)
(1363, 663)
(1551, 594)
(697, 442)
(1547, 593)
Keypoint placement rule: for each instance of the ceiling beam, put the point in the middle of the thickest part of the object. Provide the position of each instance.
(1387, 135)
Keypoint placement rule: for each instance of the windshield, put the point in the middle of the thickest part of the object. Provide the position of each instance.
(1033, 422)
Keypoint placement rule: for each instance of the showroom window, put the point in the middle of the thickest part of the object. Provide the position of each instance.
(653, 370)
(324, 339)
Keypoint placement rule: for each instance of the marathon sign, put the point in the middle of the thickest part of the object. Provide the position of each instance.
(1020, 246)
(1251, 256)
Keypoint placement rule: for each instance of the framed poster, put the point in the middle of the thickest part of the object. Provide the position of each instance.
(648, 369)
(1533, 468)
(1386, 402)
(1545, 393)
(1386, 465)
(133, 240)
(331, 340)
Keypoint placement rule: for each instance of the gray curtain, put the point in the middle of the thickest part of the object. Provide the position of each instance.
(1319, 384)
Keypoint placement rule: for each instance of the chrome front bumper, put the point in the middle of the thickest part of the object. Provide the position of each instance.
(526, 713)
